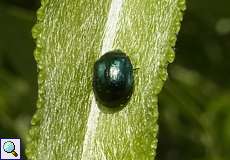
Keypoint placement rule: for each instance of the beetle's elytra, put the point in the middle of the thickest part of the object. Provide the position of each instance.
(113, 80)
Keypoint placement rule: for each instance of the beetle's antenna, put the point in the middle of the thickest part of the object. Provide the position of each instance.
(134, 69)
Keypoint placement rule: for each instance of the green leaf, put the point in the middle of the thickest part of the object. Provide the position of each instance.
(71, 35)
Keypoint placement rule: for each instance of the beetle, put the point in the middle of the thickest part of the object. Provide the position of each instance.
(113, 80)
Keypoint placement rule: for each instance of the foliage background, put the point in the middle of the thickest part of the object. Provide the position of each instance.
(194, 104)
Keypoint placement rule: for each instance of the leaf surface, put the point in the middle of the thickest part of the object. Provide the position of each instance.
(71, 35)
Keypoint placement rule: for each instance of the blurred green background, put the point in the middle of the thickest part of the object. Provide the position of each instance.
(194, 104)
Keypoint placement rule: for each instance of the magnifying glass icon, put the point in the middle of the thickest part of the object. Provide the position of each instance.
(9, 147)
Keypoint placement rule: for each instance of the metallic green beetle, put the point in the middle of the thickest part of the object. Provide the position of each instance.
(113, 80)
